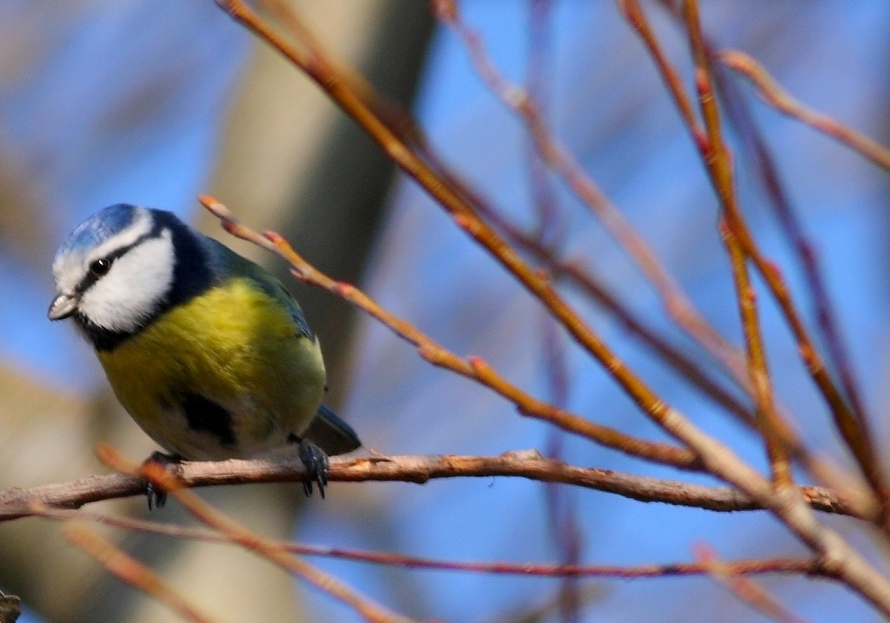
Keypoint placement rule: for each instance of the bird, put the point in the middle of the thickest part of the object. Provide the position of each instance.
(206, 350)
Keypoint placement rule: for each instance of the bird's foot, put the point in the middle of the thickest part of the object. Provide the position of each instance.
(316, 463)
(157, 497)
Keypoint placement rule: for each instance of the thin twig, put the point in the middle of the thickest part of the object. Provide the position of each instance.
(773, 94)
(133, 572)
(636, 17)
(766, 566)
(779, 459)
(562, 514)
(719, 164)
(537, 78)
(742, 587)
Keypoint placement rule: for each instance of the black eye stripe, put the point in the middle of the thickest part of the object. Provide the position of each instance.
(92, 277)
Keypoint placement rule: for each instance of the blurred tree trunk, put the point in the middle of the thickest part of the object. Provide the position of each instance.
(292, 162)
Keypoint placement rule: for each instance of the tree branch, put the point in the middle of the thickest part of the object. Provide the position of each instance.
(16, 503)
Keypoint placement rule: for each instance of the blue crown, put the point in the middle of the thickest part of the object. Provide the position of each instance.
(98, 228)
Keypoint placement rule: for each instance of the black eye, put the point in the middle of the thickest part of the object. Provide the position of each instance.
(100, 266)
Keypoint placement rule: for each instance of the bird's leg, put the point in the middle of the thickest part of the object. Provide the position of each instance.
(316, 463)
(157, 496)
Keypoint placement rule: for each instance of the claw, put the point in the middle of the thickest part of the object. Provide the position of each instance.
(316, 462)
(157, 497)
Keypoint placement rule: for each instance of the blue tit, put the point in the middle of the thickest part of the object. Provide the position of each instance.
(206, 350)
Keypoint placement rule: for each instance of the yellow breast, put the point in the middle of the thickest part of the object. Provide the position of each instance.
(233, 345)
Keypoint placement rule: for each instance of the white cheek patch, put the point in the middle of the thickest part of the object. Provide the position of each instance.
(134, 288)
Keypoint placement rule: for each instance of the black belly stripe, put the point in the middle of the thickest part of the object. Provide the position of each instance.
(204, 415)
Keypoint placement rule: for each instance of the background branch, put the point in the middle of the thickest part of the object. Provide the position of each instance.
(812, 567)
(773, 94)
(133, 572)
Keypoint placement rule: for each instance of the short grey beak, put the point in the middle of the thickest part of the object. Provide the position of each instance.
(63, 306)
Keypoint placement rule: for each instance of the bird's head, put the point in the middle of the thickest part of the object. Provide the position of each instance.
(120, 268)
